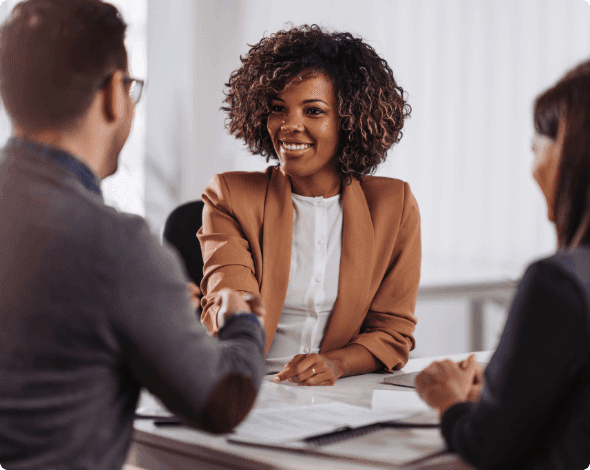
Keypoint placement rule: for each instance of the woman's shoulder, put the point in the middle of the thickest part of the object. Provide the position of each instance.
(559, 284)
(249, 180)
(387, 192)
(574, 263)
(383, 183)
(239, 184)
(565, 274)
(238, 190)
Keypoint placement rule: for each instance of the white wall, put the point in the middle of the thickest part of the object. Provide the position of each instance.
(192, 49)
(171, 114)
(443, 328)
(471, 68)
(125, 190)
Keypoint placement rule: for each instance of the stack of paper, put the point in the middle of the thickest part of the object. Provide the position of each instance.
(273, 426)
(286, 428)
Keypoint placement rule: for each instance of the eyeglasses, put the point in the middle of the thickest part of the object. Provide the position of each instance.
(135, 86)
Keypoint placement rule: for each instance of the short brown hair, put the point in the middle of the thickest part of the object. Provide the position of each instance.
(371, 105)
(53, 56)
(569, 99)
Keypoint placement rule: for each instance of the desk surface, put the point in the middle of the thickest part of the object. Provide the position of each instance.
(179, 448)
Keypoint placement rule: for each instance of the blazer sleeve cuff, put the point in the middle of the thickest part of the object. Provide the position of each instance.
(241, 324)
(450, 419)
(379, 344)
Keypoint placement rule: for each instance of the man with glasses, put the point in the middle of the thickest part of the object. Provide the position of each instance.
(92, 307)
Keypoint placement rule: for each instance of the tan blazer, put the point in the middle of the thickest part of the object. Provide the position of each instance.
(246, 242)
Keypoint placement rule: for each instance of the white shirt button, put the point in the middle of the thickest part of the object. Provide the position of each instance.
(319, 203)
(306, 350)
(318, 278)
(321, 241)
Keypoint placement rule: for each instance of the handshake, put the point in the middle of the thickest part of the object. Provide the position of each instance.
(229, 302)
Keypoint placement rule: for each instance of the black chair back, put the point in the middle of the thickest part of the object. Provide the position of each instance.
(180, 231)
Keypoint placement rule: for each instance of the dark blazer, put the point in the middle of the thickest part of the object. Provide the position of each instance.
(534, 410)
(246, 242)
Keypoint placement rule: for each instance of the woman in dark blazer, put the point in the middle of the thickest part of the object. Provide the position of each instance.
(532, 408)
(340, 296)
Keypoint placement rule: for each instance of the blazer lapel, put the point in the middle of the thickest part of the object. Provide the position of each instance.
(277, 234)
(356, 264)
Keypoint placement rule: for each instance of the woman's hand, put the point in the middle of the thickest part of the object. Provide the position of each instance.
(195, 294)
(476, 387)
(443, 384)
(231, 301)
(310, 369)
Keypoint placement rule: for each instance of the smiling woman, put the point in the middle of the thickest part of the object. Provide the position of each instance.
(334, 253)
(303, 125)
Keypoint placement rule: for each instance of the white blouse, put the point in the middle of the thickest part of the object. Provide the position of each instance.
(313, 279)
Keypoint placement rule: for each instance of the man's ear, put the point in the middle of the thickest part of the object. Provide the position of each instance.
(114, 97)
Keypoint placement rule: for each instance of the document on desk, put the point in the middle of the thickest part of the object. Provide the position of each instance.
(282, 425)
(150, 406)
(365, 439)
(404, 401)
(398, 400)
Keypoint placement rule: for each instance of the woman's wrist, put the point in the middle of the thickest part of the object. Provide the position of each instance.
(353, 359)
(335, 357)
(231, 302)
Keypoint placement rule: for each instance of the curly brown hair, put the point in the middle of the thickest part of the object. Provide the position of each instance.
(371, 105)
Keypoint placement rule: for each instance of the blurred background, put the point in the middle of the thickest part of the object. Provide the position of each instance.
(471, 69)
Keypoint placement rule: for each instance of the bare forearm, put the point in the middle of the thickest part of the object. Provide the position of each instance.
(354, 359)
(326, 368)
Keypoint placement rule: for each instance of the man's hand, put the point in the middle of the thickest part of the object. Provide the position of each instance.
(231, 301)
(443, 384)
(310, 369)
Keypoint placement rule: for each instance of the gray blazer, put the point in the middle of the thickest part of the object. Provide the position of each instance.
(92, 307)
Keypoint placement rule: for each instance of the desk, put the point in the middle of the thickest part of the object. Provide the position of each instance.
(183, 448)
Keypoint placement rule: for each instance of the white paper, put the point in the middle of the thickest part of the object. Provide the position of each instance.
(149, 405)
(398, 400)
(274, 426)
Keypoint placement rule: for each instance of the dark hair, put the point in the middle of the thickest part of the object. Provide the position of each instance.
(569, 99)
(371, 105)
(53, 56)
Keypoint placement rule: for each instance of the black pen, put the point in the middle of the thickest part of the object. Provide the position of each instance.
(168, 422)
(162, 420)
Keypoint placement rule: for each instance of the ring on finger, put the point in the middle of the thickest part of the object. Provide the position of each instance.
(313, 371)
